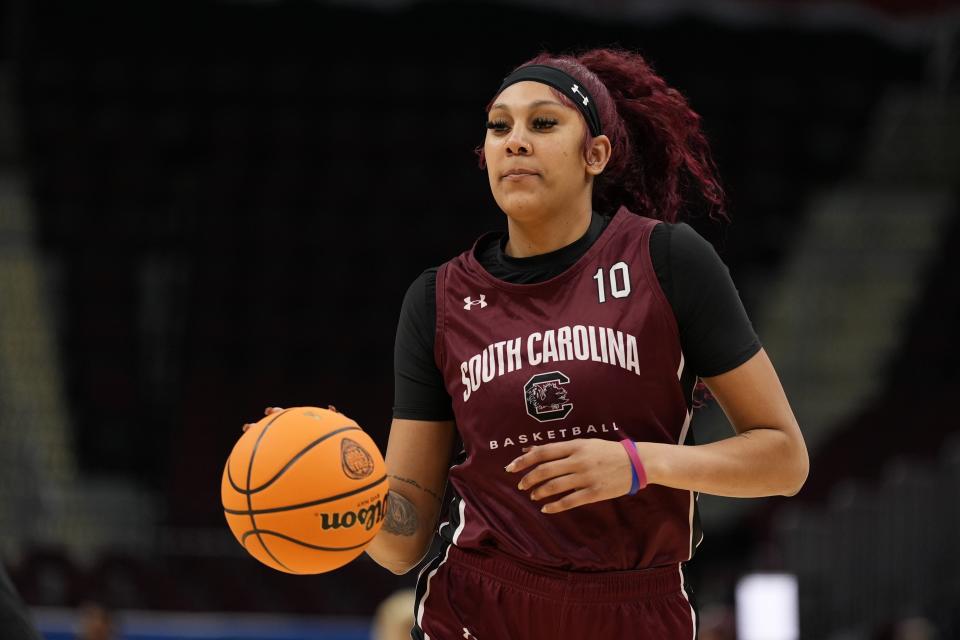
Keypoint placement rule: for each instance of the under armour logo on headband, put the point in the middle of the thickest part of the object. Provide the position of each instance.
(576, 89)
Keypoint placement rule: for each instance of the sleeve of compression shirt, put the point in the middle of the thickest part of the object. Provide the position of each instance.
(715, 333)
(419, 393)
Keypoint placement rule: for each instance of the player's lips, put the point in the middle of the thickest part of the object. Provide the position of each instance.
(518, 173)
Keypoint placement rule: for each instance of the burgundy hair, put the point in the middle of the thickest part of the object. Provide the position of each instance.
(658, 148)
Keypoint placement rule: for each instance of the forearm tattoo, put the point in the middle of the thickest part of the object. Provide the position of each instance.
(415, 484)
(401, 519)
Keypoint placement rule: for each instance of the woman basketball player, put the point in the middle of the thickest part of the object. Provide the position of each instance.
(564, 354)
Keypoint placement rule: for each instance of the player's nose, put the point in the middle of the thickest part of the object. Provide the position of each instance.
(518, 144)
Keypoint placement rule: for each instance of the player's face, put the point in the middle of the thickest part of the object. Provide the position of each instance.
(533, 132)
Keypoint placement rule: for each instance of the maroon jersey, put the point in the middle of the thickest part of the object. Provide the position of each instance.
(591, 353)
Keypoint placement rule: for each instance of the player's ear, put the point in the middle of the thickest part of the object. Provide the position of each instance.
(598, 155)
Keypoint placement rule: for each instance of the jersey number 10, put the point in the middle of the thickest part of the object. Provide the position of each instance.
(619, 286)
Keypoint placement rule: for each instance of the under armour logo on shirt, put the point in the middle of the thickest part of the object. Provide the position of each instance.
(468, 635)
(576, 89)
(469, 302)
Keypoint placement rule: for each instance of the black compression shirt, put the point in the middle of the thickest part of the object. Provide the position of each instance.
(715, 332)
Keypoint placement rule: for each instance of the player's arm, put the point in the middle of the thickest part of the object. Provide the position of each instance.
(766, 457)
(421, 435)
(417, 458)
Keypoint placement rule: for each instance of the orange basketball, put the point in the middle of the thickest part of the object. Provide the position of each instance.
(305, 490)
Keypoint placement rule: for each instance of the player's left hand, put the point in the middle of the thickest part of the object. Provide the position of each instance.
(595, 469)
(271, 410)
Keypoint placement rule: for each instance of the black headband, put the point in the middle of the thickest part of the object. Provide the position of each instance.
(565, 83)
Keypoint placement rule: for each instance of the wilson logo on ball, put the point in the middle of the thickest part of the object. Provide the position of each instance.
(367, 516)
(356, 462)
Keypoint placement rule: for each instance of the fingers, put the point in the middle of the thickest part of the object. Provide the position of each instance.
(557, 485)
(593, 469)
(545, 471)
(575, 499)
(542, 453)
(267, 412)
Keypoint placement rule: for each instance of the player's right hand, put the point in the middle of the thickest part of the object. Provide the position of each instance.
(268, 411)
(271, 410)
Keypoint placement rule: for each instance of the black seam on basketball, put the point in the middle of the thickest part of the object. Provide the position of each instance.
(290, 463)
(253, 522)
(243, 491)
(291, 507)
(301, 542)
(233, 484)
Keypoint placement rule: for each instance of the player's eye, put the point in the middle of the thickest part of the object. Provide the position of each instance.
(539, 122)
(497, 125)
(544, 123)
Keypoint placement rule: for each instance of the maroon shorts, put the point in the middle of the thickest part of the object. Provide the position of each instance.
(485, 596)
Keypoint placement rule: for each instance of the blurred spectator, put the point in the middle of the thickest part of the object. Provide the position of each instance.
(14, 623)
(917, 628)
(394, 617)
(96, 623)
(717, 622)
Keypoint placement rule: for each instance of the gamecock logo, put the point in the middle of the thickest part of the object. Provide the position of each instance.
(546, 398)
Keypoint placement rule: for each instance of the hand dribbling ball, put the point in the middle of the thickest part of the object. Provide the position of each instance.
(305, 490)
